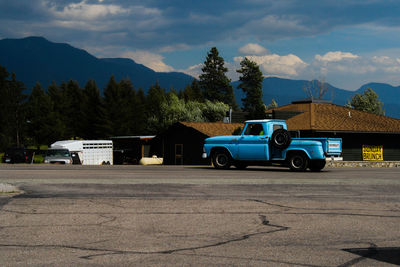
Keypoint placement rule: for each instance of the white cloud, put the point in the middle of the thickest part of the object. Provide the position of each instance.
(335, 56)
(85, 11)
(384, 60)
(276, 65)
(253, 49)
(194, 70)
(150, 60)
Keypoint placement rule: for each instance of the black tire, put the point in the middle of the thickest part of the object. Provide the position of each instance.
(317, 165)
(221, 159)
(281, 138)
(240, 165)
(298, 162)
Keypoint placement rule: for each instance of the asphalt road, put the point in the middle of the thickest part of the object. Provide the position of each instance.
(174, 215)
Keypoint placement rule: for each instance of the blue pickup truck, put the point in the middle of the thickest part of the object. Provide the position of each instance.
(268, 142)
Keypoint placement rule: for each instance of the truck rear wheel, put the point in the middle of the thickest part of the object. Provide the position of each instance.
(221, 160)
(317, 165)
(298, 162)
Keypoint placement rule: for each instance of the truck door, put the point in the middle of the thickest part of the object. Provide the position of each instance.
(253, 143)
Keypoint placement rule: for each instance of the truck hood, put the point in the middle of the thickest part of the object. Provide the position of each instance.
(225, 138)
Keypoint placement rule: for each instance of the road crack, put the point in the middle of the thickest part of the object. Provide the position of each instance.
(106, 252)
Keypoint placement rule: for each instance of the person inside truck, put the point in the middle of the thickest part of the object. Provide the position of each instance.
(255, 129)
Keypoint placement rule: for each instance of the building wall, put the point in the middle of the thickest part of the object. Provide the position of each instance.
(353, 144)
(182, 145)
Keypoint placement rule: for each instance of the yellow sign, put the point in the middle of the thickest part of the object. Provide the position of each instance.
(374, 153)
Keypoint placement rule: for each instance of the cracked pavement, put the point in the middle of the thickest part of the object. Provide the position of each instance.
(62, 221)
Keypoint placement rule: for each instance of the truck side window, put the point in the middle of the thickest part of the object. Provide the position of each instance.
(254, 129)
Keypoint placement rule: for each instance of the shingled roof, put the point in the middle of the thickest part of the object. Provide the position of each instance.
(330, 117)
(213, 128)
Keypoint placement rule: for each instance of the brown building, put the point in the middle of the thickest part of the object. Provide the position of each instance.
(364, 134)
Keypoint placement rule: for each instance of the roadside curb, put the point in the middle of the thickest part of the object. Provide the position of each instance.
(363, 164)
(8, 188)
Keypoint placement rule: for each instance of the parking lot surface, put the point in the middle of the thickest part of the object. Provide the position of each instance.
(189, 215)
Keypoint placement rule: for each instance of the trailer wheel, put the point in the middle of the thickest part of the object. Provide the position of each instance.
(221, 159)
(317, 165)
(281, 138)
(298, 162)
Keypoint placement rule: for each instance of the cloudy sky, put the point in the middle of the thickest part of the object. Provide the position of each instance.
(345, 42)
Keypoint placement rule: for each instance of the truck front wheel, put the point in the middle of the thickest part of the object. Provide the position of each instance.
(221, 160)
(298, 162)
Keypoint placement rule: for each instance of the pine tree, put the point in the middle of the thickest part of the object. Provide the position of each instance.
(139, 113)
(119, 101)
(155, 98)
(3, 101)
(214, 82)
(59, 106)
(93, 111)
(43, 123)
(193, 92)
(73, 97)
(251, 83)
(13, 102)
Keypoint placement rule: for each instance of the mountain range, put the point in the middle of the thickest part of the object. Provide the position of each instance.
(35, 59)
(285, 91)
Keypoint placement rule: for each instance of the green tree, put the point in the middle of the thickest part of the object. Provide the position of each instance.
(214, 111)
(368, 102)
(93, 113)
(43, 123)
(73, 98)
(155, 98)
(139, 113)
(4, 142)
(174, 109)
(118, 98)
(193, 92)
(251, 83)
(59, 106)
(273, 104)
(213, 81)
(13, 104)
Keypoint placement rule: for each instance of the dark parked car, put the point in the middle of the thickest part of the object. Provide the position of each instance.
(17, 155)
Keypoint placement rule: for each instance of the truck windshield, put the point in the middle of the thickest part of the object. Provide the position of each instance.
(58, 153)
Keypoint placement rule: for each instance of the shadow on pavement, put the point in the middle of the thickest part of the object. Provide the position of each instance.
(388, 254)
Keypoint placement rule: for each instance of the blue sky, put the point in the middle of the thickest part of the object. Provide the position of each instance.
(345, 42)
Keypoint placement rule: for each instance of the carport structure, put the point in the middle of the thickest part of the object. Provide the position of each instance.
(182, 143)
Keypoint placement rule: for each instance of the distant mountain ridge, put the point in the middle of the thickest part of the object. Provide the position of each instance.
(37, 59)
(285, 91)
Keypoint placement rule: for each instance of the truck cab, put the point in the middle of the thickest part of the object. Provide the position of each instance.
(268, 142)
(59, 155)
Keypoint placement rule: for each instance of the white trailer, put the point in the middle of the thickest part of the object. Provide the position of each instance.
(90, 152)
